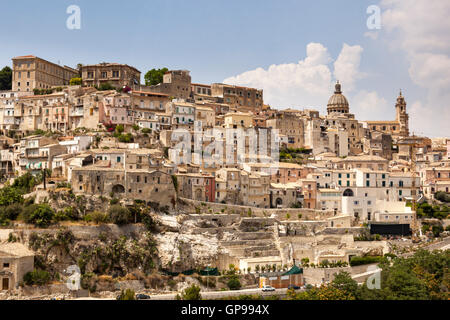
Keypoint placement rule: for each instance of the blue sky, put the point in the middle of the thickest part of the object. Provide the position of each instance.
(218, 40)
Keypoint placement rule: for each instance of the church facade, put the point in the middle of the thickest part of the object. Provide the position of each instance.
(398, 128)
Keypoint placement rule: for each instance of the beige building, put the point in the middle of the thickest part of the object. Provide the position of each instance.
(31, 72)
(290, 125)
(116, 74)
(176, 84)
(397, 128)
(240, 187)
(234, 120)
(206, 115)
(15, 261)
(103, 179)
(241, 98)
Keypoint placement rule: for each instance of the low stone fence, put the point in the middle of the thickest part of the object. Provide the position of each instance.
(317, 276)
(199, 207)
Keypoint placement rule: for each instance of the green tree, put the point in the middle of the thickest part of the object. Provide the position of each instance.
(10, 195)
(234, 283)
(154, 76)
(106, 86)
(6, 78)
(41, 215)
(191, 293)
(37, 277)
(119, 215)
(12, 211)
(344, 282)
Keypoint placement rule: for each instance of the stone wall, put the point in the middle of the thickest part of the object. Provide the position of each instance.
(197, 207)
(316, 276)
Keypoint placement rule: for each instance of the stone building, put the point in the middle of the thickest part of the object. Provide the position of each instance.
(397, 128)
(116, 74)
(290, 125)
(15, 261)
(241, 98)
(31, 72)
(176, 84)
(283, 195)
(240, 187)
(130, 184)
(378, 144)
(197, 186)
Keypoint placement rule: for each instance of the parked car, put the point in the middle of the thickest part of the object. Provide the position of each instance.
(293, 286)
(141, 296)
(268, 288)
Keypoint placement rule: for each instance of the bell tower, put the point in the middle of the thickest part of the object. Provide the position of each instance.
(401, 116)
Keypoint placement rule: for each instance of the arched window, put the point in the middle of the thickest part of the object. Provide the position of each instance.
(348, 193)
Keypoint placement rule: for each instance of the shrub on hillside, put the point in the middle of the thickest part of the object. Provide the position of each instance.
(97, 217)
(357, 261)
(37, 277)
(119, 215)
(41, 215)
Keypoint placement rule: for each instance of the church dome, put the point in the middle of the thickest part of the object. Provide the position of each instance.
(338, 102)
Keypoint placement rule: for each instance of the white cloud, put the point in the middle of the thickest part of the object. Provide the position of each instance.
(421, 29)
(306, 83)
(371, 34)
(368, 105)
(346, 67)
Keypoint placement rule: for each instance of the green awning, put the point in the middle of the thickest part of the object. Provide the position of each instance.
(209, 272)
(294, 270)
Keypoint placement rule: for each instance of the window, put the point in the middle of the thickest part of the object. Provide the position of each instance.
(6, 265)
(118, 159)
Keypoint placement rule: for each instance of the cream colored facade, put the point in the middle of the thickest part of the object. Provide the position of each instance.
(234, 120)
(31, 72)
(206, 115)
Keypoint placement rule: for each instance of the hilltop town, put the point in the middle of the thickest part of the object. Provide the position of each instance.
(151, 187)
